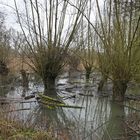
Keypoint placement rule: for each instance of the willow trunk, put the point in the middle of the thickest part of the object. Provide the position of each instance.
(49, 87)
(119, 90)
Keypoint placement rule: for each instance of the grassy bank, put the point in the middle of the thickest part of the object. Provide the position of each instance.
(11, 129)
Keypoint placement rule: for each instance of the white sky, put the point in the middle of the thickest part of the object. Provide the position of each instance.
(10, 15)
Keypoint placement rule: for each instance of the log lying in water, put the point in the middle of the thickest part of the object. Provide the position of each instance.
(29, 97)
(54, 103)
(47, 98)
(23, 109)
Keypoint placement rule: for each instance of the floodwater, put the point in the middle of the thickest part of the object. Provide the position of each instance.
(98, 119)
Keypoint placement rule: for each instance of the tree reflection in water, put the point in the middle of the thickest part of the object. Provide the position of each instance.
(115, 127)
(99, 119)
(75, 124)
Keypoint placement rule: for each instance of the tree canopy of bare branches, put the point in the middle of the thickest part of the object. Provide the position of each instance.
(49, 28)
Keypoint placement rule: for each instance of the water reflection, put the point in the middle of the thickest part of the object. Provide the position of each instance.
(115, 126)
(99, 119)
(55, 120)
(77, 124)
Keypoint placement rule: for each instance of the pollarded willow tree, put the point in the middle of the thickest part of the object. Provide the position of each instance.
(87, 43)
(119, 28)
(104, 68)
(49, 27)
(87, 51)
(120, 38)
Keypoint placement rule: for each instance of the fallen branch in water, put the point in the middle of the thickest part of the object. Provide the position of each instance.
(47, 98)
(53, 103)
(69, 97)
(29, 97)
(14, 102)
(16, 110)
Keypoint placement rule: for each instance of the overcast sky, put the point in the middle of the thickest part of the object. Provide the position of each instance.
(10, 17)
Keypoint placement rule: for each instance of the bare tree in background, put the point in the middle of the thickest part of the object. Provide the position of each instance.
(87, 48)
(49, 29)
(87, 42)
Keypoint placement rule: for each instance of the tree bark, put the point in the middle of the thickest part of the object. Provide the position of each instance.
(88, 72)
(101, 83)
(25, 81)
(49, 87)
(3, 69)
(119, 89)
(87, 75)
